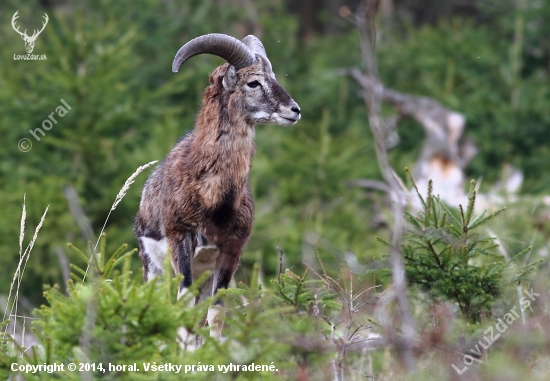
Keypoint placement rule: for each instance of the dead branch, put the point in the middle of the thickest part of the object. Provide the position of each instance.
(370, 184)
(77, 211)
(64, 266)
(373, 95)
(442, 158)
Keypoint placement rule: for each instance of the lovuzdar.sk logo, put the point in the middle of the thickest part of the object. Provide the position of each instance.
(29, 40)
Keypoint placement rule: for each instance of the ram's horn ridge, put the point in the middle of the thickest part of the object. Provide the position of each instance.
(256, 46)
(229, 48)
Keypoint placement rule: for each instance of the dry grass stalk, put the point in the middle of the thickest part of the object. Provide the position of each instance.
(129, 182)
(23, 259)
(119, 198)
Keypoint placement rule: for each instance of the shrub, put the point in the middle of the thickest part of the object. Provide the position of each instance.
(449, 258)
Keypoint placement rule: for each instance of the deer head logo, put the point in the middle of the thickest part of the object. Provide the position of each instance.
(29, 40)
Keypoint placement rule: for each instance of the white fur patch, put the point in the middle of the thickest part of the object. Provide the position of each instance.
(187, 341)
(215, 321)
(261, 116)
(183, 292)
(155, 250)
(192, 299)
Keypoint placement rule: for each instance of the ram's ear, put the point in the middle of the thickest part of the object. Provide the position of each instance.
(230, 79)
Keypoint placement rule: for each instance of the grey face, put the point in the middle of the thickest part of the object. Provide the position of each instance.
(263, 99)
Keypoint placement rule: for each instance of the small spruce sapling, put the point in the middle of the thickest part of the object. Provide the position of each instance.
(448, 258)
(111, 317)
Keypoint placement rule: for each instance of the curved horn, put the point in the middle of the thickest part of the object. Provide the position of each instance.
(222, 45)
(257, 47)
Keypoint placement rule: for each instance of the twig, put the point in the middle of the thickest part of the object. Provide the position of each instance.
(281, 253)
(370, 184)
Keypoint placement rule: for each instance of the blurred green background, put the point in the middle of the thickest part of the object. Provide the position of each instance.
(110, 61)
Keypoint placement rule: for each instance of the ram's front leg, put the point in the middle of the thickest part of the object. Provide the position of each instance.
(204, 259)
(226, 265)
(181, 246)
(182, 253)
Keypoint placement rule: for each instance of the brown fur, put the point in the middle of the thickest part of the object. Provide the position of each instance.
(199, 195)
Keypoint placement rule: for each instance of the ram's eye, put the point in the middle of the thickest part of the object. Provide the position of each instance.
(253, 84)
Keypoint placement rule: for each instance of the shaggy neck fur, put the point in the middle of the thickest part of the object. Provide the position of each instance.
(223, 154)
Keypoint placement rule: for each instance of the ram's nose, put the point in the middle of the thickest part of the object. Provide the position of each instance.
(296, 109)
(288, 114)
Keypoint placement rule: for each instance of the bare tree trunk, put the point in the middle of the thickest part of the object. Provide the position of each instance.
(308, 12)
(373, 98)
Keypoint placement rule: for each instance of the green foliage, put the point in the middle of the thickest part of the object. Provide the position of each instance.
(111, 317)
(261, 327)
(309, 295)
(110, 61)
(7, 355)
(449, 258)
(114, 318)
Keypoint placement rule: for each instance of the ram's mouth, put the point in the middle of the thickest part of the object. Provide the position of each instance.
(285, 121)
(281, 120)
